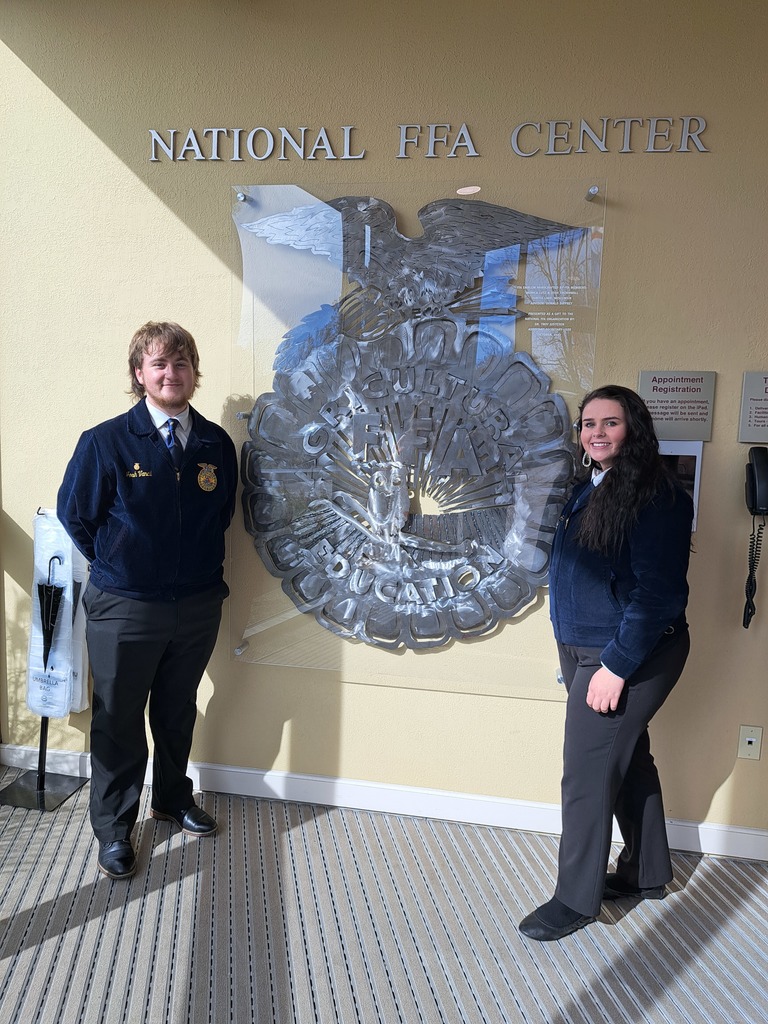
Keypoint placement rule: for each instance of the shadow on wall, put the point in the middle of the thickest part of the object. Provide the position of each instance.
(16, 559)
(272, 708)
(99, 61)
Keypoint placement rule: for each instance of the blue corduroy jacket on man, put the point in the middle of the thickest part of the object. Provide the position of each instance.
(626, 603)
(149, 532)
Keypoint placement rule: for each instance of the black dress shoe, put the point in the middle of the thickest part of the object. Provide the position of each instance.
(117, 859)
(192, 822)
(551, 921)
(616, 889)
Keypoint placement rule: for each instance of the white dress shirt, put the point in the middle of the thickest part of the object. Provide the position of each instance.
(160, 419)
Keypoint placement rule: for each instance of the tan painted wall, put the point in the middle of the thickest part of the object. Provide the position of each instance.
(96, 240)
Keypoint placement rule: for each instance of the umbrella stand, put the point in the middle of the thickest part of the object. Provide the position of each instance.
(38, 790)
(29, 789)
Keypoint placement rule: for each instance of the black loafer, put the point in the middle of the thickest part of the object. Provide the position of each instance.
(616, 889)
(117, 859)
(535, 925)
(192, 822)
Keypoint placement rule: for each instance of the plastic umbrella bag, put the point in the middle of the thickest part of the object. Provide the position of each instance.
(57, 668)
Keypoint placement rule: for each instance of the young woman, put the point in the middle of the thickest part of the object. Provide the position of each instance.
(618, 593)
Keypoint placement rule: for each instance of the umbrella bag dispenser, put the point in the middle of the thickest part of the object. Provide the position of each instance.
(57, 663)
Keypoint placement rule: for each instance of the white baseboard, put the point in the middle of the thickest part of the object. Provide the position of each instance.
(525, 815)
(61, 762)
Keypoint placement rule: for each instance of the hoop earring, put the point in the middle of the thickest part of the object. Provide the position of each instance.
(586, 459)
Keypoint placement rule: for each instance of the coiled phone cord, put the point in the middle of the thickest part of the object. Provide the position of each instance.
(755, 543)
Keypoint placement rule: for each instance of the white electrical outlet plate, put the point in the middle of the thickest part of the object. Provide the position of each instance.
(750, 741)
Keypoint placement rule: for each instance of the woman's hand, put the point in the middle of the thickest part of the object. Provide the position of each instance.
(604, 690)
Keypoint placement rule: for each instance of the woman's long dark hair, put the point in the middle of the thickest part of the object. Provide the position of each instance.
(637, 475)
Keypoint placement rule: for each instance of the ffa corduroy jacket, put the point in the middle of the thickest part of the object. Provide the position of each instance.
(626, 603)
(149, 532)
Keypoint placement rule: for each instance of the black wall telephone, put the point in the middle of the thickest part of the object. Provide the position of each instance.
(756, 493)
(756, 486)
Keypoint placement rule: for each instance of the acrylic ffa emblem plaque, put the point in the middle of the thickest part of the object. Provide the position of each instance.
(404, 477)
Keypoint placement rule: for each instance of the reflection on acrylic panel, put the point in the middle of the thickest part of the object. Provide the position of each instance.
(562, 284)
(404, 476)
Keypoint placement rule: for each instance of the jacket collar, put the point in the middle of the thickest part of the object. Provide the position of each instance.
(580, 495)
(140, 423)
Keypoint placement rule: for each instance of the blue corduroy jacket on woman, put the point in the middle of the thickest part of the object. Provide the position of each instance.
(626, 603)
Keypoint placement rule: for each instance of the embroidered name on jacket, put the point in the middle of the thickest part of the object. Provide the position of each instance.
(137, 471)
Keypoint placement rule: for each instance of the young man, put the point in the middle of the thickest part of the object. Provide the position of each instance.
(147, 498)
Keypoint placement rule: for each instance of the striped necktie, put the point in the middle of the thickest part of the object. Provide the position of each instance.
(174, 444)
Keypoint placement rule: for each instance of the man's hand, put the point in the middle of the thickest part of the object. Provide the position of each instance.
(604, 690)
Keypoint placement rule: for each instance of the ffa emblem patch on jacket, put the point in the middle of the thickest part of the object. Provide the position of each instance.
(206, 478)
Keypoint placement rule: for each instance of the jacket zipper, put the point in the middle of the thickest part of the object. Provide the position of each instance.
(178, 514)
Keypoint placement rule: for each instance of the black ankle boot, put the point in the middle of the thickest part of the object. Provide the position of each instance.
(552, 920)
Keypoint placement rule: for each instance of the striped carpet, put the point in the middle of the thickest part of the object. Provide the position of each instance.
(297, 913)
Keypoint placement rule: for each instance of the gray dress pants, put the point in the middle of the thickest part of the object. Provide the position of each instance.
(608, 770)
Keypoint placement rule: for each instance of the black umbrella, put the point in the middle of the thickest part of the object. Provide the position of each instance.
(50, 599)
(76, 585)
